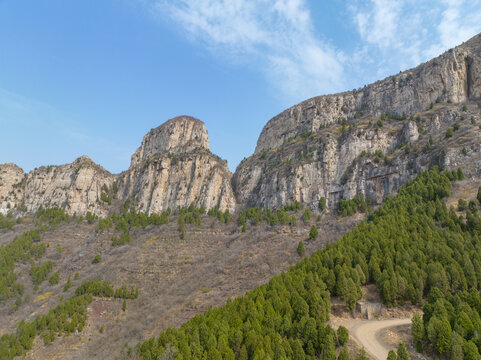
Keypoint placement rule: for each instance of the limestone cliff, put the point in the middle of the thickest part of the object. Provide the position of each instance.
(454, 76)
(178, 135)
(368, 141)
(10, 176)
(366, 156)
(173, 167)
(76, 187)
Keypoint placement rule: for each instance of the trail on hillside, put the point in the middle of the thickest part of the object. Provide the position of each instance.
(367, 334)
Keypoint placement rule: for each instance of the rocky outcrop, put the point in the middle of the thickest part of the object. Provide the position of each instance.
(174, 168)
(368, 141)
(306, 169)
(10, 176)
(178, 135)
(367, 157)
(337, 146)
(76, 188)
(454, 76)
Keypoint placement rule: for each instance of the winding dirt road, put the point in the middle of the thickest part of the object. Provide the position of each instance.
(367, 334)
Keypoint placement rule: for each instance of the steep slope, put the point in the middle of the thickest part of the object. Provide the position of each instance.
(337, 146)
(174, 168)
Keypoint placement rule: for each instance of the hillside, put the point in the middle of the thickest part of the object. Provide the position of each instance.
(176, 278)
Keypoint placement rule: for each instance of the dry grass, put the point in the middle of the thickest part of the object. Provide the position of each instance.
(42, 297)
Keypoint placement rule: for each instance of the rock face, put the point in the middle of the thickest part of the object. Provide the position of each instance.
(363, 157)
(76, 187)
(173, 167)
(178, 135)
(10, 175)
(337, 146)
(453, 76)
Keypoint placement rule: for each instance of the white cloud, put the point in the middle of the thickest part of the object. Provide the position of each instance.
(458, 23)
(278, 38)
(404, 33)
(275, 37)
(379, 24)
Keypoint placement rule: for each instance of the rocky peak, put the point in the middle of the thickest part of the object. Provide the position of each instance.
(178, 135)
(173, 167)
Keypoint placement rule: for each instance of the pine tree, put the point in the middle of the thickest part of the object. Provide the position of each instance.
(313, 233)
(343, 354)
(417, 330)
(306, 216)
(362, 355)
(322, 204)
(392, 355)
(329, 348)
(342, 335)
(124, 305)
(402, 352)
(68, 284)
(300, 249)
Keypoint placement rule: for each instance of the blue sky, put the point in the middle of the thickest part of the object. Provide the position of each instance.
(93, 77)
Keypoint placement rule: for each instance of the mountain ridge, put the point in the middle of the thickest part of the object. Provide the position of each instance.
(309, 151)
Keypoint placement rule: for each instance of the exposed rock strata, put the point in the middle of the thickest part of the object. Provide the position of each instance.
(304, 154)
(75, 187)
(174, 167)
(454, 76)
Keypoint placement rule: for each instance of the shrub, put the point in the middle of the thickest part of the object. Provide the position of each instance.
(54, 279)
(462, 205)
(123, 239)
(306, 216)
(97, 259)
(322, 204)
(40, 272)
(68, 284)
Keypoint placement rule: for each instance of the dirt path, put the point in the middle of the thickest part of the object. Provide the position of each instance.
(366, 333)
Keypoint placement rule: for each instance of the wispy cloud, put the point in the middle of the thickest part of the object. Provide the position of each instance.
(459, 22)
(275, 37)
(403, 33)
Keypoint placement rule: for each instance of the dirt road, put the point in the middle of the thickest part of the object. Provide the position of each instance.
(366, 333)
